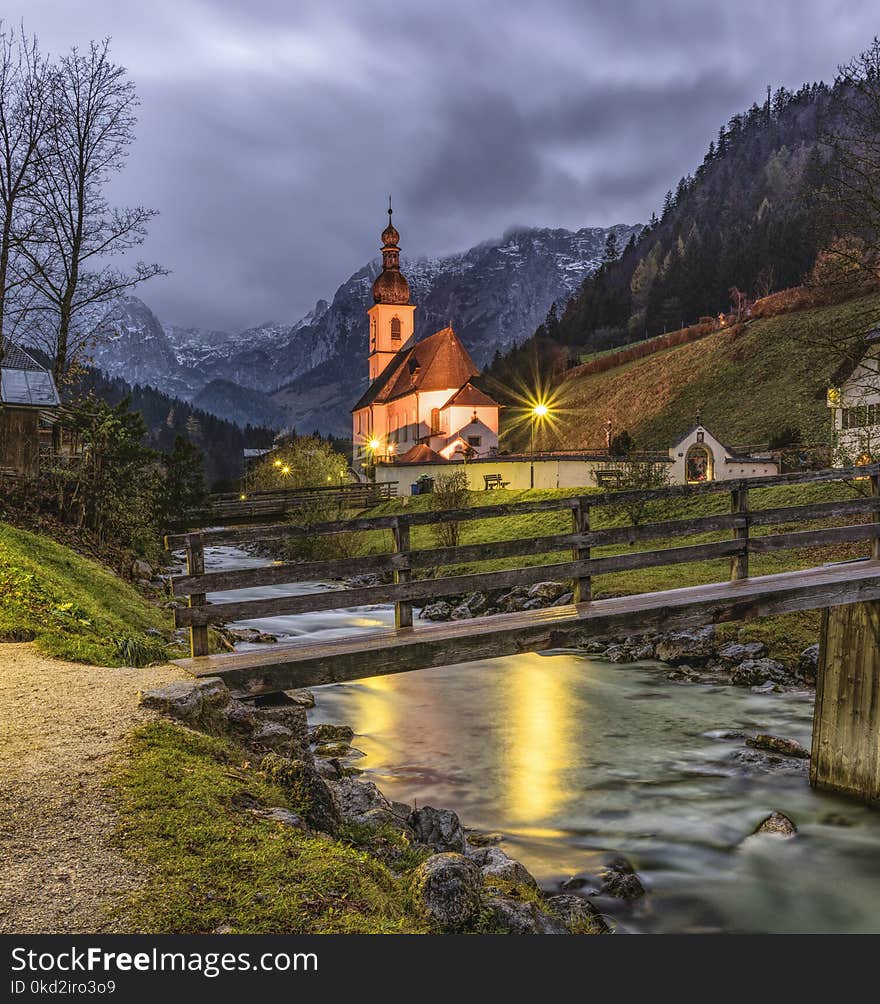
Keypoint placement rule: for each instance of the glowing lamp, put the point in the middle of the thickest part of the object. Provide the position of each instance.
(540, 411)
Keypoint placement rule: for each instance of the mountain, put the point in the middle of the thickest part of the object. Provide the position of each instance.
(240, 405)
(495, 294)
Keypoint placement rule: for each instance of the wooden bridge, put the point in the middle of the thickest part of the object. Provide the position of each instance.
(246, 507)
(846, 741)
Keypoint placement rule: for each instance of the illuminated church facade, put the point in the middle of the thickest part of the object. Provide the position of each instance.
(421, 405)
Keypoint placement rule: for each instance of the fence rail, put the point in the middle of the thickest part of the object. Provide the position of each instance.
(403, 561)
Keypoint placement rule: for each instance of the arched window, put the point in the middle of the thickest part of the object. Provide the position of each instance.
(698, 464)
(372, 334)
(395, 329)
(435, 421)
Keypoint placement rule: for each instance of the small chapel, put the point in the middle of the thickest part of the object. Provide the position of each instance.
(421, 405)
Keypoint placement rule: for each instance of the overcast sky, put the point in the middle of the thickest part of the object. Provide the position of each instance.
(271, 131)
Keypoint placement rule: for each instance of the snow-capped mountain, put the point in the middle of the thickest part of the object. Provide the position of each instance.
(495, 294)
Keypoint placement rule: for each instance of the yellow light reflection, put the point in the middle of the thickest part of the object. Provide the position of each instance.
(542, 741)
(376, 708)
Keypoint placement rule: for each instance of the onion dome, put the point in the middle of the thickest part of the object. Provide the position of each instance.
(391, 285)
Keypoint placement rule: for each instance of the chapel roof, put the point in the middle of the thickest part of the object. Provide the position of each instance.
(437, 362)
(470, 396)
(23, 381)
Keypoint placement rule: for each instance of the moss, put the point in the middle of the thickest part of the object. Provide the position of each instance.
(184, 799)
(73, 607)
(306, 793)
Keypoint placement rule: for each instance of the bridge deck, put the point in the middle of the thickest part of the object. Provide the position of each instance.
(312, 663)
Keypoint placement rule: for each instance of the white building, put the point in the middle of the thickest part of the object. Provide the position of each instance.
(855, 407)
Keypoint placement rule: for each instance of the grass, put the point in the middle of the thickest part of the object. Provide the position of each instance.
(73, 607)
(184, 801)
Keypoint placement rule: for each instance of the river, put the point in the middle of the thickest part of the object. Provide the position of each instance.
(571, 757)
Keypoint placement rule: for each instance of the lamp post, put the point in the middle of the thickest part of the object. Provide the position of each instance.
(539, 413)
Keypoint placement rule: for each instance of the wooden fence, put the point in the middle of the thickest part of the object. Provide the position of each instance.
(404, 561)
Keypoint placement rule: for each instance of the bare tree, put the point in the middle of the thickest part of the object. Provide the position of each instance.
(91, 126)
(24, 99)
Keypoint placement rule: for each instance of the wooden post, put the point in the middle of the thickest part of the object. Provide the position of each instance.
(195, 565)
(403, 617)
(580, 523)
(875, 518)
(739, 503)
(846, 719)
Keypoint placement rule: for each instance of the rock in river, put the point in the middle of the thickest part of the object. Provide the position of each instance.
(785, 747)
(438, 828)
(687, 646)
(754, 672)
(777, 824)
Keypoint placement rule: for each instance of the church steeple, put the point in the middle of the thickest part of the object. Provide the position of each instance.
(391, 316)
(391, 285)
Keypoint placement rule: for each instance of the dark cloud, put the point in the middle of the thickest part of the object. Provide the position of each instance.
(271, 132)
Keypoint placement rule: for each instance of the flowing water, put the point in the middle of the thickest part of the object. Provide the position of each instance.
(572, 758)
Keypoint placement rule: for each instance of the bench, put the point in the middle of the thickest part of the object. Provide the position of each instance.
(494, 481)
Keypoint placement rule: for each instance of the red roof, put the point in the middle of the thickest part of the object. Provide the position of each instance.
(471, 397)
(438, 362)
(420, 454)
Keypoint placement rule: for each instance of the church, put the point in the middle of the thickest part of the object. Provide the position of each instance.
(421, 405)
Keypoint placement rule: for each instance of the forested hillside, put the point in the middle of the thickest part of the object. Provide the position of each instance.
(744, 220)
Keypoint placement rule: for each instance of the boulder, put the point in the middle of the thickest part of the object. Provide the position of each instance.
(308, 792)
(734, 653)
(641, 649)
(475, 602)
(578, 914)
(141, 569)
(338, 749)
(808, 664)
(447, 886)
(754, 672)
(686, 646)
(283, 816)
(276, 738)
(785, 747)
(547, 591)
(440, 611)
(515, 916)
(440, 829)
(495, 864)
(513, 601)
(777, 824)
(620, 880)
(618, 653)
(462, 613)
(199, 703)
(304, 698)
(563, 600)
(361, 802)
(327, 733)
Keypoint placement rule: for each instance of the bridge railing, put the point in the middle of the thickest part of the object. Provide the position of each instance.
(405, 562)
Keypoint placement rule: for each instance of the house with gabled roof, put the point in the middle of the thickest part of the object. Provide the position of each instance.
(29, 401)
(421, 400)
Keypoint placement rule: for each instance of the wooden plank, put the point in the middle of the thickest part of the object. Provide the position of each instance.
(310, 663)
(739, 504)
(846, 720)
(814, 538)
(403, 612)
(814, 511)
(456, 585)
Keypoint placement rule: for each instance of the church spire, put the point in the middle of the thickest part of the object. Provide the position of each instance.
(391, 285)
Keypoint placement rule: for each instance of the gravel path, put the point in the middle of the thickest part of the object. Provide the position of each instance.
(60, 727)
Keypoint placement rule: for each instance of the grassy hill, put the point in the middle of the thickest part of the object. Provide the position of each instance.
(72, 607)
(748, 383)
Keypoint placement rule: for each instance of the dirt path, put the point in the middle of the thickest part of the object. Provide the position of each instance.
(60, 727)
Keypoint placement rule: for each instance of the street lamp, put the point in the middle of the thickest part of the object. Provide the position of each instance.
(538, 413)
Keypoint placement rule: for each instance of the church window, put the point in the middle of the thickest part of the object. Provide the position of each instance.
(372, 334)
(475, 440)
(435, 421)
(698, 464)
(395, 329)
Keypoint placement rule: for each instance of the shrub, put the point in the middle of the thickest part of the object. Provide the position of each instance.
(450, 492)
